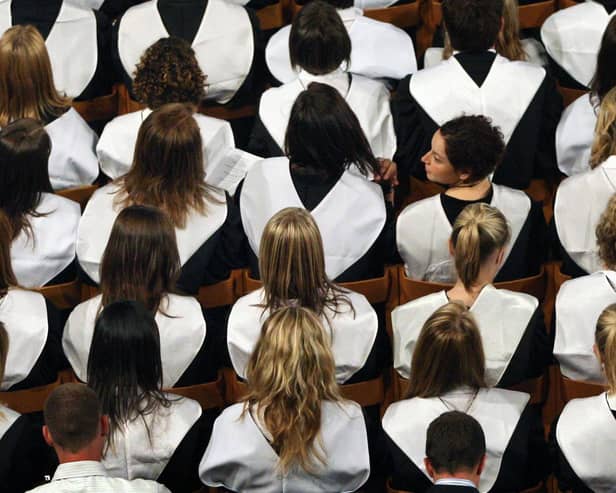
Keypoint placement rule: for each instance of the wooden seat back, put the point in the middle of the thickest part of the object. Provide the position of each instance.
(222, 293)
(210, 395)
(64, 296)
(103, 108)
(81, 195)
(575, 389)
(28, 400)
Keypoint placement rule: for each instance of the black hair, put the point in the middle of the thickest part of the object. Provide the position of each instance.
(455, 442)
(324, 134)
(605, 74)
(472, 25)
(319, 42)
(473, 146)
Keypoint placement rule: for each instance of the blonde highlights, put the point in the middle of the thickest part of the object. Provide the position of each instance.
(478, 232)
(290, 373)
(606, 234)
(604, 143)
(605, 338)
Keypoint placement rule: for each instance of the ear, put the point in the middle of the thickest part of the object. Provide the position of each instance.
(452, 249)
(500, 258)
(47, 436)
(595, 350)
(464, 176)
(104, 425)
(481, 466)
(429, 467)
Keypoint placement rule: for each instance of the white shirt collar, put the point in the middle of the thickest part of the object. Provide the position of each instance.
(79, 469)
(456, 482)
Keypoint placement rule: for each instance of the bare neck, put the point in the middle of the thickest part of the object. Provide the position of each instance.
(91, 452)
(472, 192)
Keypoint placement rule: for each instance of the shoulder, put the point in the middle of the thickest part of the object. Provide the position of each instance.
(570, 17)
(122, 122)
(210, 124)
(348, 411)
(419, 209)
(515, 299)
(179, 305)
(421, 307)
(371, 86)
(25, 299)
(58, 203)
(249, 300)
(84, 311)
(500, 398)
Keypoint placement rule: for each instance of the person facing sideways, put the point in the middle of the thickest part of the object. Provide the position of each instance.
(77, 429)
(579, 126)
(379, 50)
(319, 44)
(292, 268)
(141, 263)
(27, 90)
(326, 169)
(510, 324)
(447, 374)
(471, 82)
(572, 38)
(167, 173)
(583, 436)
(224, 35)
(43, 226)
(579, 303)
(293, 431)
(455, 453)
(465, 153)
(152, 434)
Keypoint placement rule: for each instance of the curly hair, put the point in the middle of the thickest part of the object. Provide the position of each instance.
(168, 72)
(606, 234)
(604, 143)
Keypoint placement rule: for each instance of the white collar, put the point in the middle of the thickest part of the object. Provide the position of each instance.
(337, 79)
(456, 482)
(79, 469)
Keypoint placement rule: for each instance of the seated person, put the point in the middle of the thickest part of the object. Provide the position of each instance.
(111, 8)
(465, 153)
(472, 82)
(511, 324)
(77, 430)
(292, 431)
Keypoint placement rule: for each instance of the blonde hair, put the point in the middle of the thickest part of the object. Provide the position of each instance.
(479, 231)
(605, 338)
(290, 373)
(606, 234)
(292, 264)
(448, 354)
(27, 88)
(604, 143)
(508, 43)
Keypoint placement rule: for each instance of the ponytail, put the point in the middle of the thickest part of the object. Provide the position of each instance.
(605, 338)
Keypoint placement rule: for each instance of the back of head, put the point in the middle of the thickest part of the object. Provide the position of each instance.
(290, 373)
(7, 276)
(606, 234)
(473, 146)
(72, 415)
(455, 443)
(604, 143)
(472, 25)
(167, 170)
(26, 81)
(168, 72)
(448, 354)
(478, 232)
(319, 42)
(324, 134)
(605, 339)
(605, 74)
(141, 260)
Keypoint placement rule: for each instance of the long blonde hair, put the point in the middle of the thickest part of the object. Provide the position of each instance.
(605, 338)
(479, 231)
(290, 373)
(606, 234)
(27, 88)
(604, 143)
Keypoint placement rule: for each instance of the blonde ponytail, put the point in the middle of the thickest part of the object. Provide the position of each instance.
(605, 338)
(478, 232)
(604, 143)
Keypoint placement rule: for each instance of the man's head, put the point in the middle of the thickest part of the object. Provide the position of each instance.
(455, 447)
(74, 424)
(472, 25)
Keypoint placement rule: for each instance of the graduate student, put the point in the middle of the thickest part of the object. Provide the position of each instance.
(583, 437)
(465, 152)
(141, 263)
(510, 324)
(319, 44)
(27, 90)
(167, 173)
(326, 172)
(293, 431)
(472, 82)
(447, 374)
(43, 225)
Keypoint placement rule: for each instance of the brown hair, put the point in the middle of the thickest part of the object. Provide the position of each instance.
(167, 170)
(290, 373)
(606, 234)
(605, 338)
(604, 143)
(141, 261)
(27, 89)
(479, 231)
(7, 276)
(448, 354)
(4, 349)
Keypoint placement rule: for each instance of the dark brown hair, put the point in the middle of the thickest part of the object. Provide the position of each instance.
(472, 25)
(7, 276)
(605, 73)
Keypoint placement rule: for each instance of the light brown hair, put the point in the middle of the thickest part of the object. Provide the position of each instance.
(604, 143)
(27, 89)
(290, 373)
(606, 234)
(605, 338)
(7, 276)
(448, 354)
(479, 231)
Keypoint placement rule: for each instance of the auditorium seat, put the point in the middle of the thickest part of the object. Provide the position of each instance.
(222, 293)
(103, 108)
(273, 16)
(64, 296)
(32, 400)
(575, 389)
(210, 395)
(81, 195)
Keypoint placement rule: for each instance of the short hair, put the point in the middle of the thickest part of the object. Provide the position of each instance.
(605, 74)
(72, 415)
(473, 145)
(472, 24)
(455, 442)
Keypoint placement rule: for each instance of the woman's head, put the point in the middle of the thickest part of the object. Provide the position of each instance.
(478, 239)
(606, 234)
(464, 151)
(167, 170)
(448, 354)
(141, 261)
(325, 135)
(604, 143)
(605, 345)
(168, 72)
(605, 74)
(27, 89)
(291, 371)
(319, 42)
(7, 276)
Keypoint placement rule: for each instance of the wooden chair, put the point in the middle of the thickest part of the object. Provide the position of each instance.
(575, 389)
(534, 15)
(543, 191)
(64, 296)
(273, 16)
(29, 400)
(536, 387)
(563, 4)
(103, 108)
(81, 195)
(222, 293)
(392, 490)
(210, 395)
(569, 94)
(559, 277)
(403, 16)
